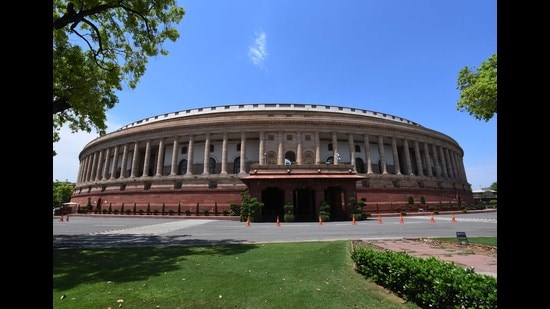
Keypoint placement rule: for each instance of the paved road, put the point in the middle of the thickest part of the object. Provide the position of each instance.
(124, 231)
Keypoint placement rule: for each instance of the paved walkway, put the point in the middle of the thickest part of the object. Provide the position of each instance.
(481, 264)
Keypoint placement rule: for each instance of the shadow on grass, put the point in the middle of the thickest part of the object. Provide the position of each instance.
(144, 259)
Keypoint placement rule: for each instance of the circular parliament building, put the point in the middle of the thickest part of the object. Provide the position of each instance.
(205, 159)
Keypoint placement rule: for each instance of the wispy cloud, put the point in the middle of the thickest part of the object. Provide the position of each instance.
(258, 51)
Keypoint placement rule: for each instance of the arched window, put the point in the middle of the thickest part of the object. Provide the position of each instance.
(330, 147)
(329, 160)
(211, 148)
(237, 165)
(271, 157)
(182, 167)
(212, 166)
(357, 148)
(308, 158)
(290, 156)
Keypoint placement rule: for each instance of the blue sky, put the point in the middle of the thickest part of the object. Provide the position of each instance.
(399, 57)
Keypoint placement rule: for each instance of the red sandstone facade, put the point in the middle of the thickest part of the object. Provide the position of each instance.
(299, 153)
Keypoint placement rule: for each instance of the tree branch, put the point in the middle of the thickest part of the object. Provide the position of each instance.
(60, 105)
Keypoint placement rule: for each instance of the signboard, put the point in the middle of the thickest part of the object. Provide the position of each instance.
(461, 236)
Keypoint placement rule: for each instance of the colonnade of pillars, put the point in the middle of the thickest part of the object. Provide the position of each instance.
(431, 160)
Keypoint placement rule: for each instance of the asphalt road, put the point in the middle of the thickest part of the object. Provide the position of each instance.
(126, 231)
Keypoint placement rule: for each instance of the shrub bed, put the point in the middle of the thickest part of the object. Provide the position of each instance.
(430, 283)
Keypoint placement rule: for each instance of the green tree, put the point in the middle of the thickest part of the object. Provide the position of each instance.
(493, 186)
(250, 206)
(478, 89)
(62, 192)
(99, 45)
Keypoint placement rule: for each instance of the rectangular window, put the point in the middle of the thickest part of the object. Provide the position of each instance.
(270, 137)
(307, 137)
(289, 137)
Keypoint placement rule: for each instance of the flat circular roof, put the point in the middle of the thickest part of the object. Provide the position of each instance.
(268, 107)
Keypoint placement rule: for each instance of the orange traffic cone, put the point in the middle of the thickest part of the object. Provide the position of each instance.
(353, 220)
(379, 219)
(453, 217)
(278, 223)
(248, 221)
(432, 219)
(401, 219)
(320, 220)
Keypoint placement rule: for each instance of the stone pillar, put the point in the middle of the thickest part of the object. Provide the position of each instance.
(106, 165)
(134, 171)
(160, 158)
(206, 160)
(174, 163)
(449, 166)
(224, 154)
(335, 155)
(124, 161)
(280, 154)
(299, 147)
(367, 154)
(98, 171)
(261, 149)
(381, 154)
(408, 164)
(243, 153)
(444, 173)
(453, 164)
(352, 151)
(79, 175)
(190, 156)
(147, 158)
(436, 162)
(94, 159)
(396, 165)
(317, 149)
(461, 164)
(115, 162)
(428, 160)
(418, 158)
(86, 169)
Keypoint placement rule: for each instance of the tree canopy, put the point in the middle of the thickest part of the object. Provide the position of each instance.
(478, 89)
(100, 46)
(62, 192)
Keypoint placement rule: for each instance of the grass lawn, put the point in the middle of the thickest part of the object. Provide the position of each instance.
(489, 241)
(275, 275)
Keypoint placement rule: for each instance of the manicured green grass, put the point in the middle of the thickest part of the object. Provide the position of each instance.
(489, 241)
(276, 275)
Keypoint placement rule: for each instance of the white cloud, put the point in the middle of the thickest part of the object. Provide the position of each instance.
(258, 51)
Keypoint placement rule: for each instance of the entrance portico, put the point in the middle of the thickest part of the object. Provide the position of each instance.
(305, 186)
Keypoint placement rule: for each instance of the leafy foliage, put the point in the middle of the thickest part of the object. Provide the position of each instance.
(428, 282)
(250, 206)
(97, 47)
(478, 89)
(62, 192)
(493, 186)
(324, 211)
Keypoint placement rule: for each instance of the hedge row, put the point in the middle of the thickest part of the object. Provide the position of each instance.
(429, 282)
